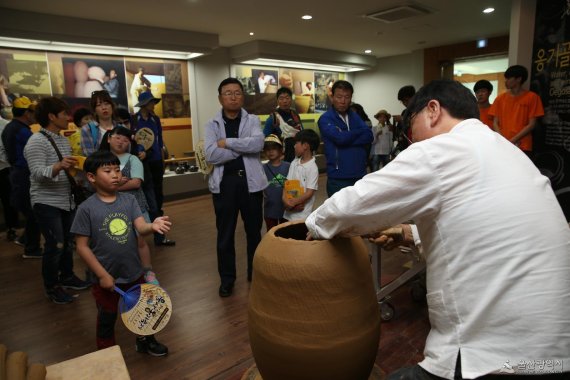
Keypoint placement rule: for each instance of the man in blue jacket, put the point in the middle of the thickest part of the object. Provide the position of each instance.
(346, 137)
(15, 137)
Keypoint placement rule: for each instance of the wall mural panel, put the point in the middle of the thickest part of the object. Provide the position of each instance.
(24, 73)
(311, 89)
(74, 77)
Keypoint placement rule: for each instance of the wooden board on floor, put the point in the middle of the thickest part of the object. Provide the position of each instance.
(99, 365)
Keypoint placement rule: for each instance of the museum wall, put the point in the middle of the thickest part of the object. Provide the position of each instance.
(378, 88)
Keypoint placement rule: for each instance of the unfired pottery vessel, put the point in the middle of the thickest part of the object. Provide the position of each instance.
(313, 312)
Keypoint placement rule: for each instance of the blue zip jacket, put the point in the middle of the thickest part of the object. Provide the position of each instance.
(345, 148)
(15, 137)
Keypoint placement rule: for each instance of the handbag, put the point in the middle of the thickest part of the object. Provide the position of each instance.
(78, 193)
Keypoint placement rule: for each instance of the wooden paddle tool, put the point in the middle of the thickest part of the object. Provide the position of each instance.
(145, 308)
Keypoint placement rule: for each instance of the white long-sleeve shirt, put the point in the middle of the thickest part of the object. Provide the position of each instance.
(496, 242)
(383, 137)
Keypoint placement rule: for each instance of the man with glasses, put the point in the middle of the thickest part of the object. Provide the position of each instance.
(494, 236)
(233, 144)
(346, 137)
(284, 122)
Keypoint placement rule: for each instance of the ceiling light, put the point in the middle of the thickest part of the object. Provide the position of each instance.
(368, 51)
(93, 49)
(251, 33)
(307, 17)
(489, 10)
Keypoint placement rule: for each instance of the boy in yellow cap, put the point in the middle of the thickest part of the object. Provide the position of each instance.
(276, 171)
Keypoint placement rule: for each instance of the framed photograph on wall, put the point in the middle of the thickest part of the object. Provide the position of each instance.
(302, 88)
(323, 87)
(74, 77)
(145, 75)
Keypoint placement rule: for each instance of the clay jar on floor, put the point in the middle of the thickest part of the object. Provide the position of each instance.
(313, 312)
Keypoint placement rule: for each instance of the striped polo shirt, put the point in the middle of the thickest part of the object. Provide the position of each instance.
(41, 156)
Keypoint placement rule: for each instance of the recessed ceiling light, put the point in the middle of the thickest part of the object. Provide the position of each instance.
(489, 10)
(307, 17)
(251, 33)
(368, 51)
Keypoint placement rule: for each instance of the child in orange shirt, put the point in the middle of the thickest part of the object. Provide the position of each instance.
(515, 112)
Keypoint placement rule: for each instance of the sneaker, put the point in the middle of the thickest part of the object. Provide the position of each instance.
(75, 283)
(32, 255)
(226, 290)
(165, 242)
(21, 241)
(149, 345)
(59, 296)
(11, 235)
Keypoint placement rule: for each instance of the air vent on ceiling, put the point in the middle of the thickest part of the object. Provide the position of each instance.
(398, 13)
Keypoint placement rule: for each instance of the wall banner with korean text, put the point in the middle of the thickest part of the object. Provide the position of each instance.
(550, 78)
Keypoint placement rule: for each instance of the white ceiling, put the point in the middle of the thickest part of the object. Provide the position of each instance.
(337, 25)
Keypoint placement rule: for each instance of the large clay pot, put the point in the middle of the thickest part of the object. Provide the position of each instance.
(313, 312)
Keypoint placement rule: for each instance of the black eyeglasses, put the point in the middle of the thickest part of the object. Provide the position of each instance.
(100, 92)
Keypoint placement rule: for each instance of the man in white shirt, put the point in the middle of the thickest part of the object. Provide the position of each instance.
(496, 242)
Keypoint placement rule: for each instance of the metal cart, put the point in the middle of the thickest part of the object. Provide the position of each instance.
(413, 274)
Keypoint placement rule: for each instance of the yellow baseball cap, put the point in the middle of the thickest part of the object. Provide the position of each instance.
(273, 139)
(24, 102)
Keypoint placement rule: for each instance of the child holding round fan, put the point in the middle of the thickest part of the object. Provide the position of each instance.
(106, 227)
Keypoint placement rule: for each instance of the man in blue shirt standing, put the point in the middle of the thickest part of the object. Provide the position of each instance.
(346, 138)
(14, 137)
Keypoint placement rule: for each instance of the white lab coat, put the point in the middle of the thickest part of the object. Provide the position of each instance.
(496, 242)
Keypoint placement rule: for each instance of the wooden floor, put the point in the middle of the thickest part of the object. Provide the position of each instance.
(207, 335)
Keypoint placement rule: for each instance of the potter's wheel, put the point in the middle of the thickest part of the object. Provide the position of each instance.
(253, 374)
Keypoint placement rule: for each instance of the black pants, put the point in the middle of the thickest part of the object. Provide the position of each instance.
(289, 149)
(148, 190)
(418, 373)
(20, 200)
(57, 261)
(10, 213)
(157, 172)
(234, 198)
